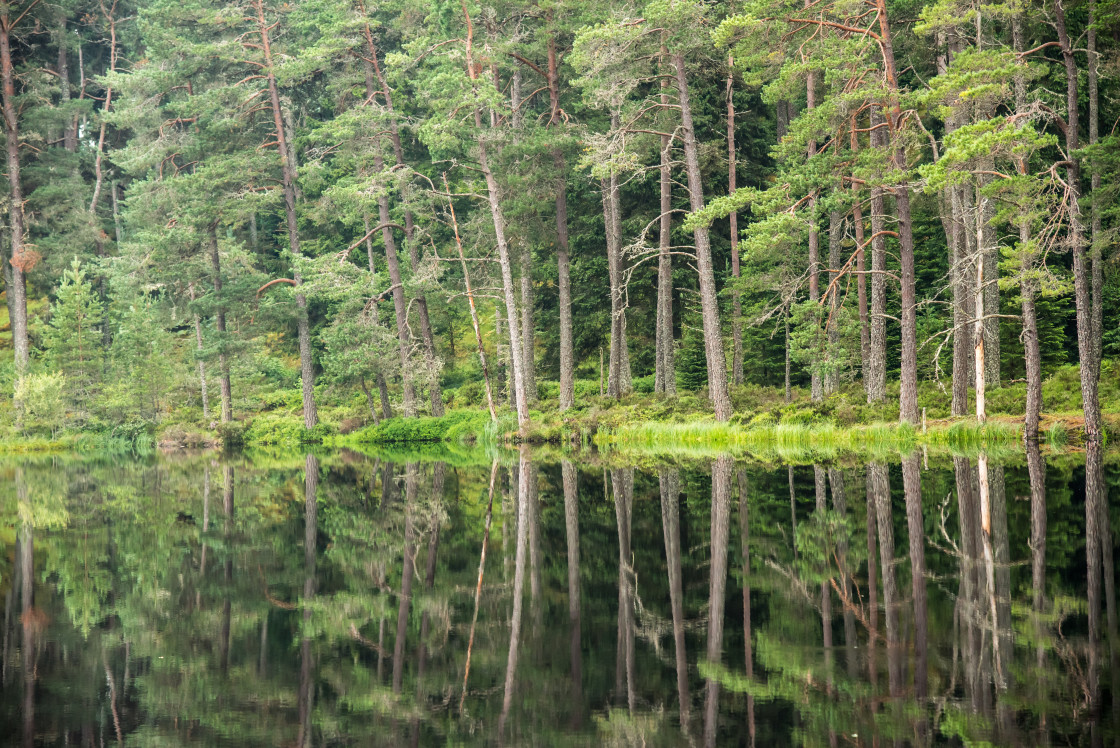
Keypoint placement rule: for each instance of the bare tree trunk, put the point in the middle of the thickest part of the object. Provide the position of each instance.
(1081, 272)
(288, 173)
(989, 254)
(220, 325)
(713, 340)
(733, 219)
(470, 302)
(816, 386)
(963, 299)
(717, 584)
(665, 377)
(877, 359)
(618, 336)
(70, 133)
(861, 274)
(19, 260)
(835, 234)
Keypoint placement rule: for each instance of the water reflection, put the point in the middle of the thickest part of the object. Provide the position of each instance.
(343, 599)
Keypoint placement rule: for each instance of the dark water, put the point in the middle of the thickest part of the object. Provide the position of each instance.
(337, 600)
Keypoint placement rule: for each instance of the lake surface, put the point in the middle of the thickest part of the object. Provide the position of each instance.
(346, 599)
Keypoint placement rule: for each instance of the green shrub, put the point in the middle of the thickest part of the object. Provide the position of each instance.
(41, 401)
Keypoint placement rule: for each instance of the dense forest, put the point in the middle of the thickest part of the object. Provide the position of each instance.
(220, 209)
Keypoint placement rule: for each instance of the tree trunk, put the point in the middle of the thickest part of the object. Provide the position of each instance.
(878, 487)
(816, 386)
(527, 326)
(288, 174)
(877, 356)
(1095, 238)
(19, 260)
(400, 307)
(518, 584)
(713, 341)
(618, 337)
(861, 274)
(733, 220)
(70, 133)
(835, 234)
(201, 365)
(665, 375)
(989, 253)
(1081, 271)
(563, 272)
(908, 385)
(220, 325)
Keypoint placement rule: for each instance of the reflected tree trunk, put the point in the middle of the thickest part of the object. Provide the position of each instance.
(1094, 497)
(411, 479)
(438, 472)
(524, 474)
(721, 510)
(879, 491)
(748, 644)
(571, 528)
(670, 481)
(912, 486)
(310, 548)
(28, 613)
(622, 485)
(227, 603)
(478, 585)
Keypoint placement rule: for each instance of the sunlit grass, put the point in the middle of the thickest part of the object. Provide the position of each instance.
(797, 441)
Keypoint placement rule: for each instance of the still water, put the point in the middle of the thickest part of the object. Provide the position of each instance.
(346, 599)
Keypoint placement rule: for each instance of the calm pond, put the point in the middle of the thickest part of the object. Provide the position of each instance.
(348, 599)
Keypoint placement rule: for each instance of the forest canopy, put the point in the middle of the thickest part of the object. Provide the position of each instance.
(218, 211)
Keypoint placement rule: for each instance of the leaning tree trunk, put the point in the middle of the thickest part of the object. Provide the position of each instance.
(19, 259)
(400, 306)
(288, 174)
(1081, 271)
(426, 334)
(713, 342)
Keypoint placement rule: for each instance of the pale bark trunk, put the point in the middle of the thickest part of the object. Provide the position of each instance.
(224, 384)
(989, 253)
(622, 485)
(614, 270)
(713, 339)
(877, 358)
(470, 303)
(835, 234)
(733, 220)
(861, 275)
(18, 259)
(288, 174)
(310, 540)
(665, 377)
(816, 386)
